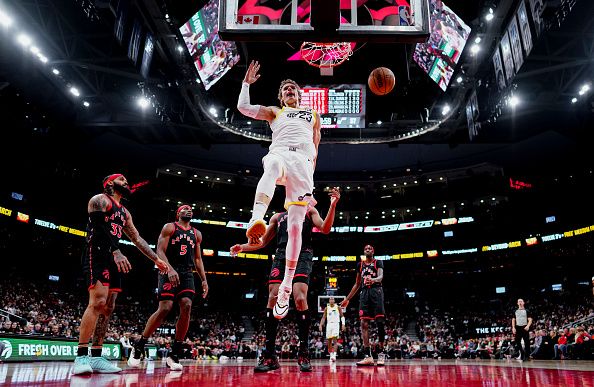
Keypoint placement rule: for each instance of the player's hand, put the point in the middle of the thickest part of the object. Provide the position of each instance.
(514, 331)
(344, 303)
(368, 281)
(334, 196)
(162, 266)
(235, 249)
(121, 262)
(252, 75)
(173, 277)
(204, 289)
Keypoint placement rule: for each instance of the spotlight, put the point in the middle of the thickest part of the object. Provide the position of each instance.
(143, 102)
(35, 50)
(459, 79)
(5, 20)
(56, 71)
(514, 101)
(24, 40)
(446, 109)
(489, 15)
(378, 122)
(86, 104)
(574, 100)
(477, 40)
(213, 111)
(74, 91)
(180, 48)
(584, 89)
(43, 59)
(475, 49)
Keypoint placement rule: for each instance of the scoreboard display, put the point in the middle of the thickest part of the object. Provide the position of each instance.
(340, 106)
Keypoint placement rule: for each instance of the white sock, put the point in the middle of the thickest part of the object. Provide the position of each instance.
(288, 280)
(259, 210)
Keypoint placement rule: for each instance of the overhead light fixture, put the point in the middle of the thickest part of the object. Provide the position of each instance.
(24, 40)
(56, 71)
(474, 49)
(574, 100)
(584, 89)
(477, 40)
(74, 91)
(514, 101)
(5, 20)
(490, 15)
(43, 59)
(446, 109)
(143, 102)
(378, 122)
(86, 104)
(35, 50)
(459, 79)
(180, 48)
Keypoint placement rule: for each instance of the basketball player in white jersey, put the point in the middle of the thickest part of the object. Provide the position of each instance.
(290, 161)
(333, 318)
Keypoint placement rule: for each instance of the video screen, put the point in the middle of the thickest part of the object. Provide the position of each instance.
(440, 55)
(212, 56)
(340, 106)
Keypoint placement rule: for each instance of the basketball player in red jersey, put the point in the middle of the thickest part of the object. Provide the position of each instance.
(278, 226)
(179, 245)
(103, 262)
(290, 161)
(370, 271)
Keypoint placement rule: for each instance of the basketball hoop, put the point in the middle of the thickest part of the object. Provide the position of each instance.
(325, 56)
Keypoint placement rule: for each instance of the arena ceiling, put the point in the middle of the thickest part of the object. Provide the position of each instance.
(77, 37)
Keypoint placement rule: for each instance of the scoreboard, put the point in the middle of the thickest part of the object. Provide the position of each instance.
(340, 106)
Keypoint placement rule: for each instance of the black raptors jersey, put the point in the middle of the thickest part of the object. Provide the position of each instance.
(282, 236)
(115, 219)
(181, 248)
(370, 270)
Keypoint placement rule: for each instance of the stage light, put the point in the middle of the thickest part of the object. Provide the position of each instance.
(56, 71)
(514, 101)
(5, 20)
(143, 102)
(477, 40)
(574, 100)
(74, 91)
(24, 40)
(584, 89)
(446, 109)
(86, 104)
(490, 15)
(43, 59)
(459, 79)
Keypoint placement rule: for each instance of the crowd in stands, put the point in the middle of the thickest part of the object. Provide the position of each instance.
(43, 310)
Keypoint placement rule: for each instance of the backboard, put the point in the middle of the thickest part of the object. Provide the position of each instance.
(396, 21)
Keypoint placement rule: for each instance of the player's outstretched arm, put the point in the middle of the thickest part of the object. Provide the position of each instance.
(257, 112)
(353, 291)
(325, 225)
(268, 236)
(141, 244)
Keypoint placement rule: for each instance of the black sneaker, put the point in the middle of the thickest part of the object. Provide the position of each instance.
(267, 364)
(304, 364)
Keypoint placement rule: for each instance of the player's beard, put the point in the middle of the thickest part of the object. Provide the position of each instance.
(125, 192)
(186, 218)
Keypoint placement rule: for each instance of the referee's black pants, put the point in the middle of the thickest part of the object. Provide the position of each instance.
(522, 333)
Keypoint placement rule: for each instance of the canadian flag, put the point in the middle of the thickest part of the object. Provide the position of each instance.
(248, 19)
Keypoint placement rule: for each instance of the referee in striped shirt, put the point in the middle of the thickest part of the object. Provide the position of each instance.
(520, 328)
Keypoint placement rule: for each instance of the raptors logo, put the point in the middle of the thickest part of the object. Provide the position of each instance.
(106, 274)
(167, 286)
(275, 272)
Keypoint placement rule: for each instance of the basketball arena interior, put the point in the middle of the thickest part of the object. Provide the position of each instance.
(451, 203)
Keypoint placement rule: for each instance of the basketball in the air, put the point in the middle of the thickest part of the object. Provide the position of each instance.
(381, 81)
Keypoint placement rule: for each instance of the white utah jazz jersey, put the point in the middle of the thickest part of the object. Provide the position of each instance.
(293, 127)
(332, 314)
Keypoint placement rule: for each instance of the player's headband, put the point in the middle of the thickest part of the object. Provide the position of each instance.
(371, 247)
(111, 178)
(181, 208)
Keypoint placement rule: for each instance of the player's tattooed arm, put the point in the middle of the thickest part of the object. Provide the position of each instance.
(98, 203)
(132, 233)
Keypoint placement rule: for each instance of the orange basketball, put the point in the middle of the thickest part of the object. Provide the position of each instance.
(381, 81)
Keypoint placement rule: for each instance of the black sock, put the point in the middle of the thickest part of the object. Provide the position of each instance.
(367, 351)
(177, 348)
(271, 327)
(83, 350)
(96, 351)
(141, 342)
(303, 322)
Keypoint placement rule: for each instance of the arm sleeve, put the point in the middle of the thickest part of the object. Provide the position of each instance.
(243, 104)
(98, 223)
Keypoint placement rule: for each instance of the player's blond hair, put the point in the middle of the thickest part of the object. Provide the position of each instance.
(280, 90)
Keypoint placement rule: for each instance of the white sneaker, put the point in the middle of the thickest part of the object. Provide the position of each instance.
(281, 308)
(255, 231)
(173, 363)
(133, 361)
